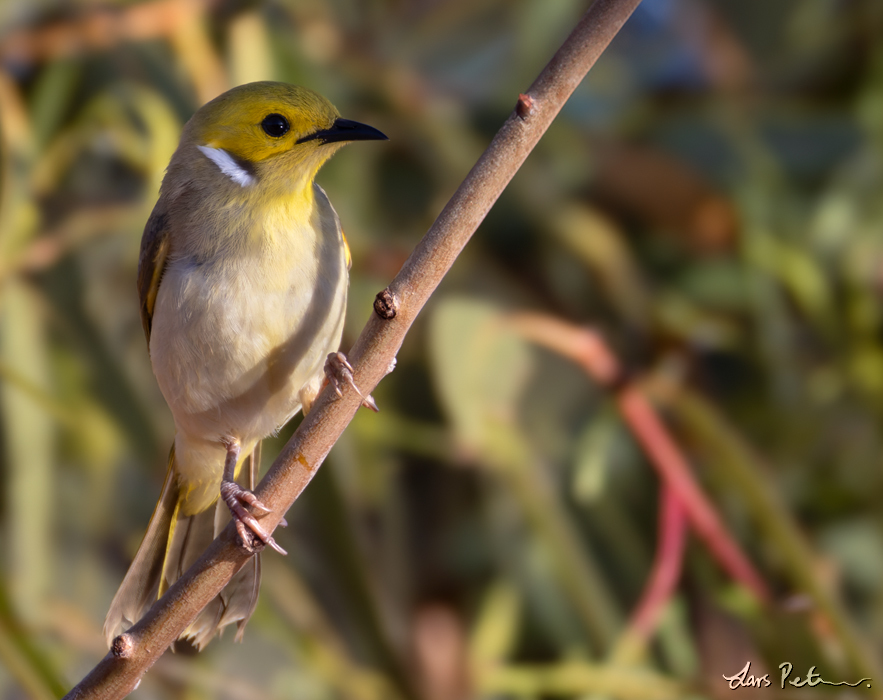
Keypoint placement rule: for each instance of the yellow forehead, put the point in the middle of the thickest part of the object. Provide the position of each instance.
(232, 121)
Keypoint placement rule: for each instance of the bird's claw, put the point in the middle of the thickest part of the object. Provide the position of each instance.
(236, 497)
(339, 371)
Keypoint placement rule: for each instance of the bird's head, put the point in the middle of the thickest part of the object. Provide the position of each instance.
(267, 134)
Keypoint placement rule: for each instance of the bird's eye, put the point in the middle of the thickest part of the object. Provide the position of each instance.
(275, 125)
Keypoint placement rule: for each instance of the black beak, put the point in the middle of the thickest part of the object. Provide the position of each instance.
(346, 130)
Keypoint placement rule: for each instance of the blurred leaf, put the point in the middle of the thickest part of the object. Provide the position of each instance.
(594, 448)
(480, 368)
(324, 652)
(576, 678)
(858, 546)
(711, 193)
(680, 316)
(676, 642)
(598, 242)
(496, 628)
(28, 433)
(724, 450)
(250, 59)
(28, 665)
(799, 273)
(52, 97)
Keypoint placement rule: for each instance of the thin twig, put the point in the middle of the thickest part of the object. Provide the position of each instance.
(396, 308)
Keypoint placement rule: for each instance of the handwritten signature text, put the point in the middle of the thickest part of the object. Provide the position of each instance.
(745, 679)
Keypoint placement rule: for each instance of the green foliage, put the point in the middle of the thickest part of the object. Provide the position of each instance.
(709, 201)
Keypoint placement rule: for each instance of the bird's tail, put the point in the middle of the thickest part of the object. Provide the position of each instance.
(173, 542)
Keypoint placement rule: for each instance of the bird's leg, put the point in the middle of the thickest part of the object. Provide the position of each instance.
(237, 498)
(339, 371)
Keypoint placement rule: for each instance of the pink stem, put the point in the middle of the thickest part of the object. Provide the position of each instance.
(667, 565)
(588, 349)
(675, 471)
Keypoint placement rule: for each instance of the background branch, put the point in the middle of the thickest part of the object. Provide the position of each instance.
(589, 350)
(135, 651)
(667, 566)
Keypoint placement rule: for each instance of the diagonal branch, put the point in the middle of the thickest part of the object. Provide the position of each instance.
(395, 310)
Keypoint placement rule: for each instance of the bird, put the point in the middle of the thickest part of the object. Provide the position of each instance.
(242, 282)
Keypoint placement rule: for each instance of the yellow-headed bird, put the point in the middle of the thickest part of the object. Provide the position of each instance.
(242, 281)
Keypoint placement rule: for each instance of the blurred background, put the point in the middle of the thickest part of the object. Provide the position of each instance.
(708, 203)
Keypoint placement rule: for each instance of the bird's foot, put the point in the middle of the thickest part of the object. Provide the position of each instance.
(237, 498)
(339, 371)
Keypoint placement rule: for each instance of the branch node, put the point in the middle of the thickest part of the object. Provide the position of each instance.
(386, 305)
(122, 646)
(420, 275)
(525, 106)
(622, 379)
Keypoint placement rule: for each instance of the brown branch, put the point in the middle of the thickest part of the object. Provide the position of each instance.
(396, 308)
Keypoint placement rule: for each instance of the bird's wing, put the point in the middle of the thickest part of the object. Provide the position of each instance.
(152, 262)
(325, 205)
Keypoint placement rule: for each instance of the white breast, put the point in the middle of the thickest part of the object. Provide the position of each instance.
(234, 340)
